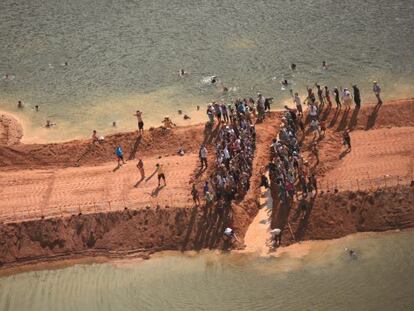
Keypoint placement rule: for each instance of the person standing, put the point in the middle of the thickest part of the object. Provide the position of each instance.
(346, 98)
(161, 174)
(140, 166)
(337, 100)
(138, 114)
(357, 96)
(377, 91)
(296, 100)
(119, 155)
(95, 138)
(203, 156)
(320, 94)
(328, 96)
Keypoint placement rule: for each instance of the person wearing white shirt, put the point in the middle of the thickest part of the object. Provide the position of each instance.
(377, 91)
(203, 156)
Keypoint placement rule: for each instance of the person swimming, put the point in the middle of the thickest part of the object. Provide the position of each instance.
(49, 124)
(182, 73)
(352, 253)
(284, 83)
(293, 66)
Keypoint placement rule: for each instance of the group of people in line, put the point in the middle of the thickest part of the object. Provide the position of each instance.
(234, 147)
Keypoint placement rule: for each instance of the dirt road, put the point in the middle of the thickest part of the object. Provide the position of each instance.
(27, 194)
(377, 157)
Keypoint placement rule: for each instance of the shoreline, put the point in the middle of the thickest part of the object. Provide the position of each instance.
(25, 125)
(102, 235)
(294, 251)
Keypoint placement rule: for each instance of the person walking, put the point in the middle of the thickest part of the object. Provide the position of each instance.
(203, 156)
(298, 104)
(357, 96)
(377, 91)
(140, 166)
(161, 174)
(119, 155)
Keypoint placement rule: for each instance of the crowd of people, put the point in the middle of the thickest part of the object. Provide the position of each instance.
(234, 147)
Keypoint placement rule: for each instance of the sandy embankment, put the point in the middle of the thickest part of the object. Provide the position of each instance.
(61, 180)
(11, 130)
(368, 189)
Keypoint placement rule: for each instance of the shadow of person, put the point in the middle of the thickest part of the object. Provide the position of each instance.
(326, 112)
(343, 123)
(373, 117)
(139, 182)
(190, 227)
(135, 147)
(117, 168)
(344, 153)
(200, 172)
(150, 176)
(156, 191)
(354, 118)
(303, 224)
(335, 117)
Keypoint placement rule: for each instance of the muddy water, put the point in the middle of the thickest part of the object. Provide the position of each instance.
(125, 55)
(313, 276)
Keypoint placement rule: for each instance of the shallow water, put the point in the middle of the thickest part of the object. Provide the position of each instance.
(325, 278)
(125, 55)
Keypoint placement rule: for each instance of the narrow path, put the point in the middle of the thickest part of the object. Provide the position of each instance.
(257, 236)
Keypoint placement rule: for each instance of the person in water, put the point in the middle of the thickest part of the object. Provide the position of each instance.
(49, 124)
(20, 104)
(213, 80)
(182, 73)
(285, 83)
(324, 65)
(293, 67)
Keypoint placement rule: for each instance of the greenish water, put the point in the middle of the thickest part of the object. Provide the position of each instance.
(124, 55)
(324, 279)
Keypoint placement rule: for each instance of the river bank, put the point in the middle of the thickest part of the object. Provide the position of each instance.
(73, 225)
